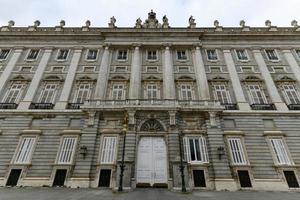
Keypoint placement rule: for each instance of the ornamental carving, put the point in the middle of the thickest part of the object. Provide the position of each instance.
(152, 125)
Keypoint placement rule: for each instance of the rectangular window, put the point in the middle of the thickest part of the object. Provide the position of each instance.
(298, 53)
(237, 152)
(222, 94)
(25, 150)
(241, 54)
(271, 54)
(186, 92)
(120, 69)
(291, 179)
(48, 94)
(92, 54)
(212, 54)
(244, 178)
(67, 150)
(196, 149)
(118, 92)
(280, 152)
(83, 93)
(108, 152)
(291, 94)
(257, 96)
(152, 91)
(152, 55)
(14, 93)
(62, 54)
(4, 53)
(33, 54)
(122, 55)
(181, 55)
(152, 69)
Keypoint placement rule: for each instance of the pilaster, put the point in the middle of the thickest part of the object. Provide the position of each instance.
(292, 63)
(272, 90)
(168, 75)
(67, 88)
(236, 84)
(25, 103)
(135, 77)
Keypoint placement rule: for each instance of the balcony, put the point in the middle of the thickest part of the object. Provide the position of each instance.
(74, 105)
(8, 105)
(44, 106)
(153, 104)
(294, 106)
(230, 106)
(263, 107)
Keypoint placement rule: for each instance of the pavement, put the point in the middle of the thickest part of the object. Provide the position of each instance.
(137, 194)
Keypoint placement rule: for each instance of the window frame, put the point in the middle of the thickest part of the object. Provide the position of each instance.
(122, 59)
(275, 53)
(181, 92)
(29, 52)
(62, 59)
(53, 98)
(184, 59)
(146, 95)
(297, 54)
(19, 148)
(212, 60)
(246, 54)
(242, 147)
(115, 153)
(203, 149)
(275, 155)
(89, 92)
(123, 91)
(286, 96)
(147, 55)
(73, 153)
(264, 98)
(87, 55)
(7, 55)
(228, 96)
(18, 97)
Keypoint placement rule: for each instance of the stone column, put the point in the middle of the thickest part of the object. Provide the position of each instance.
(200, 74)
(292, 63)
(68, 84)
(35, 83)
(135, 77)
(168, 75)
(235, 81)
(9, 67)
(272, 89)
(102, 79)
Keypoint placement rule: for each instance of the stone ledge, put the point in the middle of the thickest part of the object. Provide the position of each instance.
(70, 132)
(241, 133)
(273, 133)
(31, 132)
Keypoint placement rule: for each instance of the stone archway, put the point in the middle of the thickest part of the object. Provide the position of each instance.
(152, 125)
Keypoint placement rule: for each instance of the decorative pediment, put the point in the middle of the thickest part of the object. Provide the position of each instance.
(20, 78)
(152, 78)
(185, 78)
(219, 79)
(285, 79)
(252, 79)
(53, 78)
(85, 78)
(151, 125)
(118, 77)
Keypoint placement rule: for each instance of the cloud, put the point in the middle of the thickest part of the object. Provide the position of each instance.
(76, 12)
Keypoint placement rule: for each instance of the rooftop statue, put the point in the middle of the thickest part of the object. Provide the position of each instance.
(192, 23)
(112, 22)
(165, 22)
(138, 23)
(151, 22)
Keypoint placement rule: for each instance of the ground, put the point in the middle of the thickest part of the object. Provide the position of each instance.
(138, 194)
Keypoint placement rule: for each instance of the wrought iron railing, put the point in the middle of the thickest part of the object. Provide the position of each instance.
(8, 105)
(230, 106)
(263, 107)
(294, 106)
(46, 106)
(74, 105)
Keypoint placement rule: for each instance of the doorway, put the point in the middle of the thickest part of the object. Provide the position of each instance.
(13, 177)
(60, 177)
(104, 178)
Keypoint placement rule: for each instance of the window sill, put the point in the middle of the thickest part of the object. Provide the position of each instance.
(244, 61)
(213, 61)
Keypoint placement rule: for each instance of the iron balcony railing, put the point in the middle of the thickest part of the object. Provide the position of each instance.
(230, 106)
(294, 106)
(46, 106)
(8, 105)
(263, 107)
(74, 105)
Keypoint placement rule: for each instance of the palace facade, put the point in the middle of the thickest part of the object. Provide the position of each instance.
(215, 108)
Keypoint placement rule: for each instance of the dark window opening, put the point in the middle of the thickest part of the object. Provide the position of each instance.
(13, 177)
(104, 179)
(60, 177)
(199, 178)
(291, 179)
(244, 178)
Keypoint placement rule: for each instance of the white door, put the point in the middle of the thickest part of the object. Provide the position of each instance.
(152, 161)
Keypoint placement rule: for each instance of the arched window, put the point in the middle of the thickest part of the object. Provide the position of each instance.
(152, 125)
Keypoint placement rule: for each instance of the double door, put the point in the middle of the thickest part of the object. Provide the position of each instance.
(152, 161)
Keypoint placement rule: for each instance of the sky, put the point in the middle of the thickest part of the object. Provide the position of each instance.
(76, 12)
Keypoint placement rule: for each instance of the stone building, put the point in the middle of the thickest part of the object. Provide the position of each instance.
(217, 107)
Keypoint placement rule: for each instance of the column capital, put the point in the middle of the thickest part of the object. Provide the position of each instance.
(136, 45)
(77, 48)
(167, 45)
(19, 48)
(256, 48)
(197, 45)
(107, 45)
(48, 48)
(256, 51)
(226, 51)
(286, 51)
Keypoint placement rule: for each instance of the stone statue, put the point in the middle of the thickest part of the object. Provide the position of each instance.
(138, 23)
(165, 22)
(268, 23)
(294, 23)
(112, 22)
(242, 23)
(11, 23)
(151, 22)
(88, 23)
(37, 23)
(192, 23)
(62, 23)
(216, 23)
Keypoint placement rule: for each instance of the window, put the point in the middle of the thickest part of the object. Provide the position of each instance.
(241, 54)
(67, 150)
(62, 54)
(212, 54)
(118, 92)
(222, 94)
(120, 69)
(181, 55)
(237, 153)
(186, 92)
(14, 93)
(271, 54)
(152, 55)
(297, 53)
(108, 153)
(33, 54)
(92, 54)
(152, 91)
(49, 93)
(4, 53)
(122, 55)
(25, 150)
(83, 93)
(196, 149)
(291, 94)
(280, 152)
(256, 95)
(152, 69)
